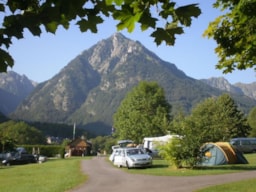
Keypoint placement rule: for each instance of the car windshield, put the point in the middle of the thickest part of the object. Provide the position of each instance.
(134, 152)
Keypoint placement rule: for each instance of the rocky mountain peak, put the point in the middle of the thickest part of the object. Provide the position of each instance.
(109, 53)
(122, 45)
(13, 89)
(15, 83)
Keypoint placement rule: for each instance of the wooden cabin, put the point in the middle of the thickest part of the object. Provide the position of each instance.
(79, 147)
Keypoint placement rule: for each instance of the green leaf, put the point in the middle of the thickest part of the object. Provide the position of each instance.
(167, 10)
(127, 19)
(2, 9)
(13, 27)
(185, 13)
(167, 35)
(118, 2)
(90, 24)
(6, 61)
(147, 21)
(109, 2)
(51, 27)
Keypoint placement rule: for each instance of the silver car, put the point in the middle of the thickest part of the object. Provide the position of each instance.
(131, 158)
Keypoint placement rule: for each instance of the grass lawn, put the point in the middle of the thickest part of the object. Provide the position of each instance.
(160, 167)
(63, 174)
(245, 186)
(54, 175)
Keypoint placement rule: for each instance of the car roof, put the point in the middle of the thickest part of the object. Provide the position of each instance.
(243, 138)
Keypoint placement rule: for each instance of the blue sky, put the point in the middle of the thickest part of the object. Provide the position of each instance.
(40, 58)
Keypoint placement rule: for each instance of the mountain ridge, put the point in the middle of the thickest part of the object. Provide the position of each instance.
(14, 88)
(90, 87)
(221, 83)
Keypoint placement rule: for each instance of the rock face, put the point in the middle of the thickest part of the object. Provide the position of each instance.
(91, 86)
(238, 88)
(14, 88)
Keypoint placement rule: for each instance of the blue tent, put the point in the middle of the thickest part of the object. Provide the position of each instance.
(221, 153)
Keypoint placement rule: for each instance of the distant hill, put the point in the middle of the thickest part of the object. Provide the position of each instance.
(14, 88)
(238, 88)
(90, 88)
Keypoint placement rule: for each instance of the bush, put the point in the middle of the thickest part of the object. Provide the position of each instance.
(171, 153)
(180, 152)
(46, 150)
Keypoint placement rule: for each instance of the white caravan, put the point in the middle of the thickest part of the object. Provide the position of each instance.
(151, 143)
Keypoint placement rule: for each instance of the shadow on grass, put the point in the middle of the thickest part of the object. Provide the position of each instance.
(159, 166)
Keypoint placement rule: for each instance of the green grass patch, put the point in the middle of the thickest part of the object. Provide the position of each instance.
(56, 175)
(161, 168)
(63, 174)
(245, 185)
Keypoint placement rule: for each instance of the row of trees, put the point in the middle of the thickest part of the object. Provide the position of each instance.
(19, 133)
(145, 113)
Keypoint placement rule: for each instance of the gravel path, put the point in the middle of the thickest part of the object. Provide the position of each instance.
(104, 177)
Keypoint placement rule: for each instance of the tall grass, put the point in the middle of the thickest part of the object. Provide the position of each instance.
(54, 175)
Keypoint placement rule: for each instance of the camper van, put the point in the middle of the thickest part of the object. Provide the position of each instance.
(245, 145)
(151, 143)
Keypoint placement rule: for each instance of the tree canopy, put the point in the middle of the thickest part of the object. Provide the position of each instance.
(219, 119)
(212, 120)
(252, 121)
(20, 133)
(144, 112)
(235, 34)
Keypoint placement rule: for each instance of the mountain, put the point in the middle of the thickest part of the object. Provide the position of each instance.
(248, 89)
(90, 88)
(238, 88)
(13, 89)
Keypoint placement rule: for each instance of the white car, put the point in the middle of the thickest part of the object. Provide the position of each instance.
(130, 158)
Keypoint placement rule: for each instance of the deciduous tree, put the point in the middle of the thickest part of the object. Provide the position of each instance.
(219, 119)
(252, 121)
(212, 120)
(235, 34)
(144, 112)
(21, 133)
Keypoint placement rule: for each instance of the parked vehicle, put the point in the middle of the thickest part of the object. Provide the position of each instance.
(42, 159)
(124, 143)
(120, 144)
(18, 157)
(131, 158)
(245, 145)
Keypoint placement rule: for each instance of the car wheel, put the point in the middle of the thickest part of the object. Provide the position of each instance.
(127, 165)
